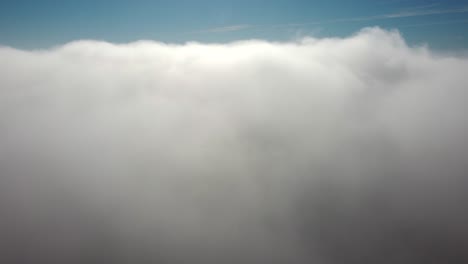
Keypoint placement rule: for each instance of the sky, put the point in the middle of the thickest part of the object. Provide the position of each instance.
(40, 24)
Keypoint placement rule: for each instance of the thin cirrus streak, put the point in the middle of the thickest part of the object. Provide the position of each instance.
(461, 21)
(343, 150)
(411, 12)
(421, 7)
(402, 14)
(224, 29)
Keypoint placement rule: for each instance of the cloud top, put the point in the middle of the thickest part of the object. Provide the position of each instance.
(347, 150)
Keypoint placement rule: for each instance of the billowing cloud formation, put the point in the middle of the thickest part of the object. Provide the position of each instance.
(318, 151)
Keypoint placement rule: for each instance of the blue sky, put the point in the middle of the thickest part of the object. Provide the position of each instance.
(34, 24)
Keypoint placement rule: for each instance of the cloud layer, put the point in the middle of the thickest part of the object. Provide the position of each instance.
(346, 150)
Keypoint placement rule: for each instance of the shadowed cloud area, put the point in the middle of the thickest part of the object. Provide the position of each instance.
(327, 151)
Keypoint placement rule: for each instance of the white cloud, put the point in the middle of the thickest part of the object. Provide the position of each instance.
(330, 150)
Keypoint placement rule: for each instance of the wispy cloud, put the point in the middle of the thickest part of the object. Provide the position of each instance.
(224, 29)
(427, 6)
(402, 14)
(417, 11)
(437, 23)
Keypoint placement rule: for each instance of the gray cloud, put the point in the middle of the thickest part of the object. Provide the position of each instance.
(346, 150)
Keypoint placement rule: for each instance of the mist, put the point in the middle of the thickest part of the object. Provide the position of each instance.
(332, 150)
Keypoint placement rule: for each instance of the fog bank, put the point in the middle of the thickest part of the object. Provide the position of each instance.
(346, 150)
